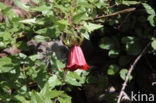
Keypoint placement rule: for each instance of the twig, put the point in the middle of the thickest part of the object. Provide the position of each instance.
(113, 6)
(130, 71)
(113, 14)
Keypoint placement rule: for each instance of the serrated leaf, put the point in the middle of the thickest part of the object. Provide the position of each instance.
(71, 78)
(54, 81)
(91, 27)
(74, 75)
(78, 17)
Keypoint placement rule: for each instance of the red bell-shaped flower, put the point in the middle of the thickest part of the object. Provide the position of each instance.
(76, 59)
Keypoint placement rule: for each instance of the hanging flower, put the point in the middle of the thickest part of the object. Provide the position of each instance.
(76, 59)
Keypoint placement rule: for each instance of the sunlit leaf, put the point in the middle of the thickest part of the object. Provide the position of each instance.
(91, 27)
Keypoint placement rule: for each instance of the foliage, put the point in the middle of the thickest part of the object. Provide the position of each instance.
(24, 78)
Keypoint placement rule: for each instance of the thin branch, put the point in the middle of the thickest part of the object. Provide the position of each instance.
(113, 6)
(130, 71)
(113, 14)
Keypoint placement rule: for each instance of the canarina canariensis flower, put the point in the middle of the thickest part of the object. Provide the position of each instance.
(76, 59)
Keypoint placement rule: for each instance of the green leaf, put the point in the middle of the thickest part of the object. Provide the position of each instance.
(34, 57)
(78, 17)
(35, 98)
(55, 63)
(112, 69)
(154, 44)
(72, 81)
(62, 8)
(86, 35)
(21, 99)
(45, 91)
(6, 64)
(8, 12)
(2, 45)
(84, 4)
(23, 56)
(64, 99)
(130, 2)
(21, 5)
(91, 27)
(54, 81)
(113, 53)
(55, 93)
(52, 32)
(28, 21)
(6, 36)
(40, 38)
(72, 77)
(148, 9)
(127, 40)
(123, 73)
(152, 20)
(64, 22)
(41, 8)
